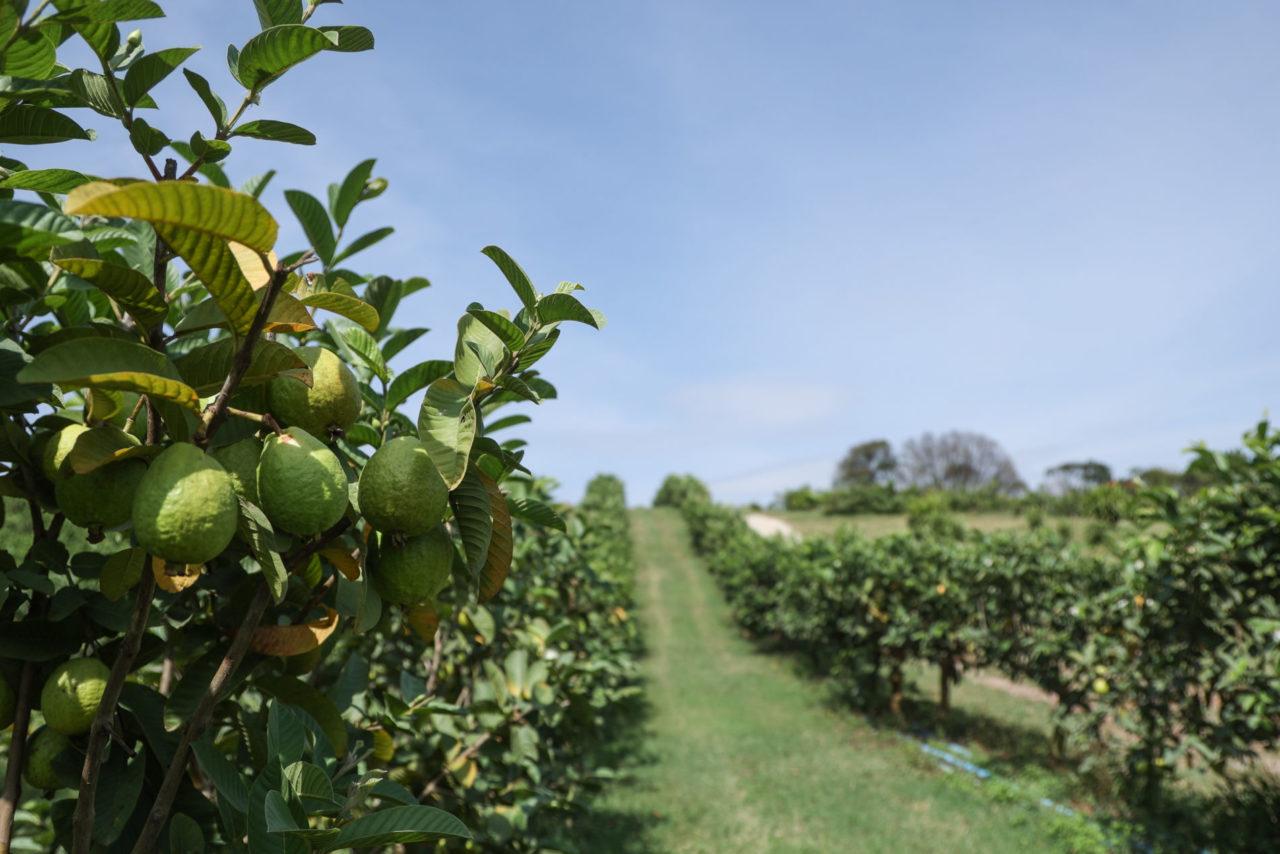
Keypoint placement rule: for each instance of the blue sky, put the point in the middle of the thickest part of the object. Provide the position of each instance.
(814, 223)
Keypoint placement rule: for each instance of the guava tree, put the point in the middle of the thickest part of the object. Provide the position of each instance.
(216, 467)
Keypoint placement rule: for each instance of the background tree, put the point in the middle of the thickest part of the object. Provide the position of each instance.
(1077, 476)
(867, 463)
(959, 460)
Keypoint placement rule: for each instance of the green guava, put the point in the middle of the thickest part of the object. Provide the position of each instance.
(331, 403)
(53, 459)
(103, 497)
(301, 483)
(241, 462)
(71, 695)
(42, 750)
(185, 509)
(401, 491)
(8, 703)
(415, 570)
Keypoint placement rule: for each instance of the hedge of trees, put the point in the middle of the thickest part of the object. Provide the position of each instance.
(1163, 653)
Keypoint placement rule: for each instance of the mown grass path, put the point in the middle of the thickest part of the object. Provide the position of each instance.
(741, 753)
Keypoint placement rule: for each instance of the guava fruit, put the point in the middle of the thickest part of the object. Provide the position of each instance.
(103, 497)
(185, 508)
(401, 491)
(240, 460)
(384, 746)
(301, 483)
(71, 695)
(331, 403)
(8, 703)
(415, 570)
(53, 459)
(42, 750)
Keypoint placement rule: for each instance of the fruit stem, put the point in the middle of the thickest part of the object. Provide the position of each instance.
(82, 823)
(246, 414)
(17, 751)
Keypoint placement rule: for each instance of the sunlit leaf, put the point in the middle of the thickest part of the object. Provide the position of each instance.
(110, 364)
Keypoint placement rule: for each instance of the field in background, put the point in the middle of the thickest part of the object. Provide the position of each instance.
(814, 522)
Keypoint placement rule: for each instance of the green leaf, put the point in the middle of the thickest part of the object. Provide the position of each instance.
(349, 39)
(557, 307)
(119, 785)
(272, 13)
(146, 139)
(535, 512)
(311, 785)
(447, 427)
(519, 388)
(503, 423)
(211, 210)
(364, 346)
(415, 379)
(110, 364)
(279, 819)
(228, 781)
(144, 74)
(363, 242)
(352, 308)
(185, 834)
(212, 260)
(286, 734)
(348, 195)
(206, 368)
(109, 12)
(215, 105)
(275, 131)
(32, 229)
(315, 222)
(400, 339)
(510, 334)
(191, 688)
(125, 285)
(27, 124)
(497, 560)
(519, 281)
(399, 825)
(121, 572)
(295, 692)
(276, 49)
(255, 528)
(478, 352)
(255, 185)
(46, 180)
(210, 151)
(31, 55)
(473, 512)
(97, 93)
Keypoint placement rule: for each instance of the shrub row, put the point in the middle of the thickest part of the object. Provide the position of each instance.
(1109, 502)
(1165, 651)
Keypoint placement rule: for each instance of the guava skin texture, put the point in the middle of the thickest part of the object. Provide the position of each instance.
(185, 509)
(401, 491)
(8, 703)
(54, 458)
(414, 571)
(331, 403)
(301, 483)
(43, 748)
(71, 695)
(240, 460)
(103, 498)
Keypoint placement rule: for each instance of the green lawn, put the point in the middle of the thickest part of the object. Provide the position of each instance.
(740, 752)
(814, 522)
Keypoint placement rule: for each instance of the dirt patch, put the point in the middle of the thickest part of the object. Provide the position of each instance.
(771, 526)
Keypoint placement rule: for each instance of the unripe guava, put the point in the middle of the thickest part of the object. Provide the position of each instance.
(185, 508)
(42, 750)
(54, 457)
(1100, 686)
(102, 498)
(301, 484)
(401, 491)
(8, 703)
(414, 571)
(72, 693)
(240, 460)
(331, 403)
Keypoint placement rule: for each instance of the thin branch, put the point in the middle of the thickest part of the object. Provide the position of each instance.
(433, 671)
(199, 719)
(17, 753)
(82, 823)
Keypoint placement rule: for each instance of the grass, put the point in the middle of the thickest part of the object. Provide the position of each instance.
(816, 523)
(741, 752)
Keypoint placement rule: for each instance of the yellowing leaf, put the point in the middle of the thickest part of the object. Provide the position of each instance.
(344, 561)
(350, 307)
(200, 207)
(294, 640)
(127, 286)
(206, 368)
(424, 621)
(255, 271)
(175, 577)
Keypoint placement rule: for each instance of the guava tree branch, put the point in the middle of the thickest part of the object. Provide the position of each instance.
(100, 732)
(17, 753)
(199, 720)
